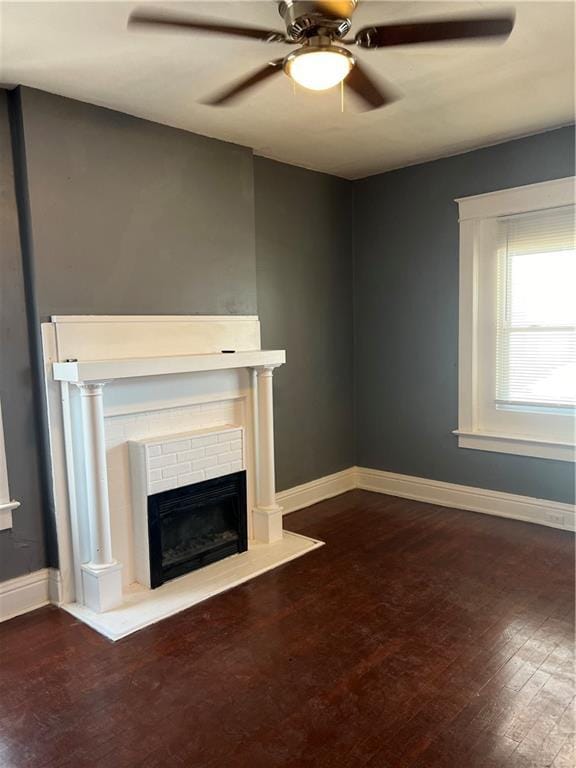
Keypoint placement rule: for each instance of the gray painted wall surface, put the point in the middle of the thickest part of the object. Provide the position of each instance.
(133, 217)
(22, 548)
(406, 316)
(303, 248)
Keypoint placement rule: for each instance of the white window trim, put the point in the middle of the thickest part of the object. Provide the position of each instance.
(472, 211)
(6, 505)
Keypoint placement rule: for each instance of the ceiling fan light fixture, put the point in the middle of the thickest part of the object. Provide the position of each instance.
(319, 68)
(322, 59)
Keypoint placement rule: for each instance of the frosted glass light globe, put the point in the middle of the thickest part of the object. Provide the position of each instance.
(320, 70)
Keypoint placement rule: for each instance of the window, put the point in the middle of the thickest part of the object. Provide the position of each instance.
(536, 343)
(518, 321)
(6, 506)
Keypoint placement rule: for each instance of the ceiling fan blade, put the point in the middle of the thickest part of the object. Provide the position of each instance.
(433, 31)
(147, 19)
(241, 86)
(371, 94)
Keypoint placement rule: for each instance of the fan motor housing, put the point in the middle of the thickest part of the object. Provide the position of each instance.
(304, 18)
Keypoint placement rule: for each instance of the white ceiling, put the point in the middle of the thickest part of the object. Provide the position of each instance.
(456, 97)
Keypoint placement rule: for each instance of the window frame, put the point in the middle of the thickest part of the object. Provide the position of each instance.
(7, 504)
(481, 425)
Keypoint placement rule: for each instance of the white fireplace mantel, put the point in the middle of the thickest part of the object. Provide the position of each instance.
(158, 362)
(107, 370)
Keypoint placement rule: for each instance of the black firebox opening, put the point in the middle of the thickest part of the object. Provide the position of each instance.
(196, 525)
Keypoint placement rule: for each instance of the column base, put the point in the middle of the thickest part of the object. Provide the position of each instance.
(102, 585)
(267, 524)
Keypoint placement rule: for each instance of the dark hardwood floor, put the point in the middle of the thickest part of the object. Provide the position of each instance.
(417, 637)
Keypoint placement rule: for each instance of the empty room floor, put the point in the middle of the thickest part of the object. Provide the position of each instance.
(418, 636)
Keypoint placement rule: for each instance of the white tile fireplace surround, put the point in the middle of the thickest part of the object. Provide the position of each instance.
(140, 405)
(174, 461)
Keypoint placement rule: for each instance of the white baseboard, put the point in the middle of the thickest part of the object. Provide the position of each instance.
(554, 514)
(317, 490)
(28, 592)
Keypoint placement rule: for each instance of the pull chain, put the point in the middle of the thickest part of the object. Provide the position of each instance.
(341, 95)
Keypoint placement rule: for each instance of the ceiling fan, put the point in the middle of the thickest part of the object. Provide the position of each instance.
(318, 29)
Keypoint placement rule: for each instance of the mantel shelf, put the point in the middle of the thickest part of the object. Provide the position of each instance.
(130, 368)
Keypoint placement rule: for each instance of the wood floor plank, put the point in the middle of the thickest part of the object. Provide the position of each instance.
(418, 637)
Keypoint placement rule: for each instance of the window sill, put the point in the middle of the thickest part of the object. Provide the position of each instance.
(6, 514)
(520, 446)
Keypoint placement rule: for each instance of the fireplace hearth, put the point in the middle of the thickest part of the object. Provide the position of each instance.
(196, 525)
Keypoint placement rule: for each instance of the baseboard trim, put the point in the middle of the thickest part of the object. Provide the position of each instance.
(317, 490)
(553, 514)
(28, 592)
(33, 590)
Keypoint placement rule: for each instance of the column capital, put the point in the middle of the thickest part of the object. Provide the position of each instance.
(266, 370)
(91, 388)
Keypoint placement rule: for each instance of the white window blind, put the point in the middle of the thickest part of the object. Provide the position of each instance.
(536, 324)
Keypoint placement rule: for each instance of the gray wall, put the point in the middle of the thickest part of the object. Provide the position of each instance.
(133, 217)
(22, 548)
(130, 217)
(406, 316)
(303, 249)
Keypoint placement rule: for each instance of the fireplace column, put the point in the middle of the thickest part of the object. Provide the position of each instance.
(102, 575)
(267, 516)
